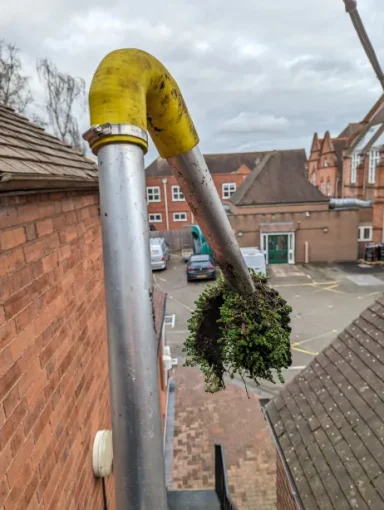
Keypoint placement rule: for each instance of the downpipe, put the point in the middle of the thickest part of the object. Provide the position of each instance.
(131, 92)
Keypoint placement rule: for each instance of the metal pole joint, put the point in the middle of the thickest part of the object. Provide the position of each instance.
(101, 134)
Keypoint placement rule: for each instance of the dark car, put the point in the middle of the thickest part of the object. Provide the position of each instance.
(201, 267)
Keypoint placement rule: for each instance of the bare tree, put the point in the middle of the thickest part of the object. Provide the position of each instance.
(64, 94)
(14, 86)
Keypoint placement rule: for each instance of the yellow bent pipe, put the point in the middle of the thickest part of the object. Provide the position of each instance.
(132, 87)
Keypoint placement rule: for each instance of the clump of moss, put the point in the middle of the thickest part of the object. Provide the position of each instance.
(244, 335)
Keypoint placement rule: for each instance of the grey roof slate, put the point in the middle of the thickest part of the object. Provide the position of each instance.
(30, 157)
(329, 421)
(225, 163)
(279, 178)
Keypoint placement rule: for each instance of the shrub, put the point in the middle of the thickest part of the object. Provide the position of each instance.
(233, 334)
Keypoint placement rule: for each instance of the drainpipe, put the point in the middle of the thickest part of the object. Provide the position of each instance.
(382, 228)
(166, 202)
(129, 89)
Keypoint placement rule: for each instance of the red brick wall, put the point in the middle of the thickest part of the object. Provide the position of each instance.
(338, 243)
(182, 206)
(54, 392)
(285, 500)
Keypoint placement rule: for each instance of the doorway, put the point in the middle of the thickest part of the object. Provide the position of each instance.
(279, 248)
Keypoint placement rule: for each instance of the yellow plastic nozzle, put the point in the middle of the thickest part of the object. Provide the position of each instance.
(132, 87)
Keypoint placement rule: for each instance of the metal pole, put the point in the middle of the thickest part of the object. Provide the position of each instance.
(166, 202)
(132, 350)
(200, 192)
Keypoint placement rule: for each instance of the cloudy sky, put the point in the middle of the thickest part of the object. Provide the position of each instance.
(255, 74)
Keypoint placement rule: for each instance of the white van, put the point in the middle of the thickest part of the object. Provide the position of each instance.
(159, 253)
(254, 259)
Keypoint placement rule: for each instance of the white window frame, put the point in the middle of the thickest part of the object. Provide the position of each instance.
(355, 162)
(314, 178)
(155, 217)
(153, 191)
(322, 187)
(374, 159)
(326, 164)
(177, 194)
(328, 187)
(177, 216)
(228, 189)
(361, 237)
(291, 244)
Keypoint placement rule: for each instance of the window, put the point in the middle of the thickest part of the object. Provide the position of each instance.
(328, 187)
(374, 160)
(322, 185)
(155, 218)
(153, 193)
(180, 216)
(354, 164)
(177, 194)
(365, 233)
(314, 178)
(228, 189)
(326, 162)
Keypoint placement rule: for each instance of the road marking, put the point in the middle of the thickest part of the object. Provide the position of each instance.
(373, 294)
(304, 351)
(314, 337)
(312, 284)
(162, 279)
(297, 368)
(180, 303)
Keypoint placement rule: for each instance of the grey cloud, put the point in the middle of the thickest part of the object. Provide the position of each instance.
(254, 74)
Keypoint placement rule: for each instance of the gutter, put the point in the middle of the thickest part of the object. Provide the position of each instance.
(291, 481)
(39, 183)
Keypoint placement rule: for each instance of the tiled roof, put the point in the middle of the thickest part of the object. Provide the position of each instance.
(31, 158)
(350, 130)
(278, 179)
(217, 163)
(329, 421)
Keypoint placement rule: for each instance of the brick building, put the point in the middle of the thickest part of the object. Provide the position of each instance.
(278, 210)
(54, 389)
(328, 423)
(351, 166)
(167, 207)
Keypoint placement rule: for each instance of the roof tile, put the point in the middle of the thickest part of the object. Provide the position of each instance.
(334, 418)
(26, 150)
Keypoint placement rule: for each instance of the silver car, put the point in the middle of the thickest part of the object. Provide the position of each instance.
(159, 253)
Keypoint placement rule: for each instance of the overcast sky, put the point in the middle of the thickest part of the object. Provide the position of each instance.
(255, 74)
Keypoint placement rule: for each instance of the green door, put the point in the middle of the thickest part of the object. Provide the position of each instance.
(278, 249)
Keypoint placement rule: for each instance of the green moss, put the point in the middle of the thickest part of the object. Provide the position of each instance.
(232, 334)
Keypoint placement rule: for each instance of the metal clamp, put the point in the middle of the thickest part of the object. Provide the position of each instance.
(100, 130)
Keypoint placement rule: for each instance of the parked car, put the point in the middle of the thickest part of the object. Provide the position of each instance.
(201, 267)
(159, 253)
(255, 259)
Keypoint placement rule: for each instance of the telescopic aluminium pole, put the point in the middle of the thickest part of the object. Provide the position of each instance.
(131, 92)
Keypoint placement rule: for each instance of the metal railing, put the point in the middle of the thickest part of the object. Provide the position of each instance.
(221, 481)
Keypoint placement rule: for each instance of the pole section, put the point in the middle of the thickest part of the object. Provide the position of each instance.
(132, 350)
(198, 187)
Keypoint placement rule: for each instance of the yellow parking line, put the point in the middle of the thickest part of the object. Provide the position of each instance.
(311, 284)
(304, 351)
(314, 338)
